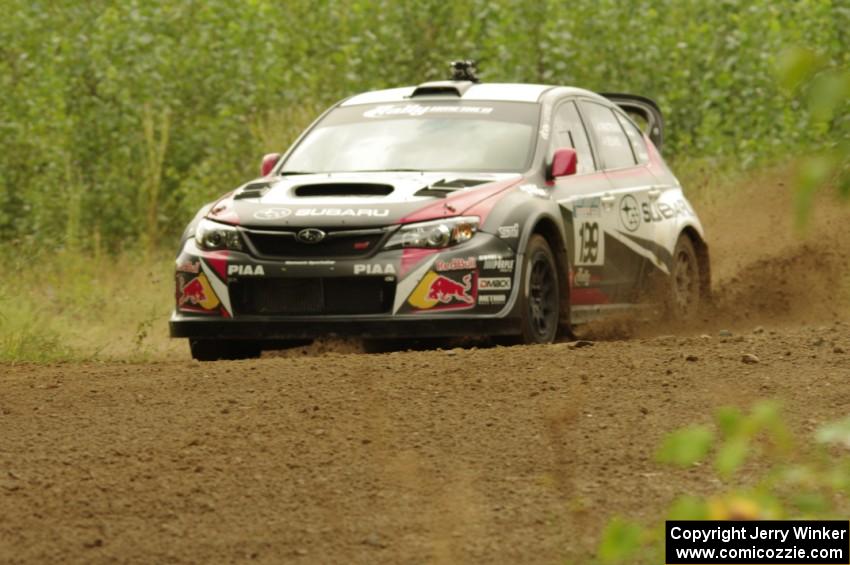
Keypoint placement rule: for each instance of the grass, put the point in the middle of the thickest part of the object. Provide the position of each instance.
(78, 306)
(74, 306)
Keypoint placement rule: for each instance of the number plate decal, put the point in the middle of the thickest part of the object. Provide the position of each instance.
(590, 244)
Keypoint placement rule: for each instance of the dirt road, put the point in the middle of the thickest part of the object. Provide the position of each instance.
(479, 455)
(489, 455)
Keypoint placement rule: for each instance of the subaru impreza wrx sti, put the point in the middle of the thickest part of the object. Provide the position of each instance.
(451, 208)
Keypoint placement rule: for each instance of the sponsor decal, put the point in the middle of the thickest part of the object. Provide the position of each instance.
(498, 283)
(374, 269)
(370, 212)
(610, 127)
(443, 292)
(545, 119)
(629, 213)
(534, 190)
(419, 110)
(491, 299)
(590, 244)
(246, 270)
(587, 208)
(189, 267)
(198, 292)
(581, 277)
(455, 264)
(661, 211)
(310, 263)
(612, 141)
(272, 213)
(310, 235)
(509, 232)
(496, 263)
(279, 213)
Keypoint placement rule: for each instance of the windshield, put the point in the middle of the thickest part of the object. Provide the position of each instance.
(431, 136)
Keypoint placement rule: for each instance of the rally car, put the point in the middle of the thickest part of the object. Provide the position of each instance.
(451, 208)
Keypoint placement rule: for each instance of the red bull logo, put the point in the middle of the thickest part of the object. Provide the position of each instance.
(442, 292)
(445, 290)
(197, 292)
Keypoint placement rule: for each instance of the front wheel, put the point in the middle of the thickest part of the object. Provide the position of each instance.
(540, 295)
(683, 298)
(221, 349)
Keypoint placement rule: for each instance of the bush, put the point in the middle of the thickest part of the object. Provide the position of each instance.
(126, 116)
(810, 480)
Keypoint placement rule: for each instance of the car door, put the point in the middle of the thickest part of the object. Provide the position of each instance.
(584, 213)
(630, 231)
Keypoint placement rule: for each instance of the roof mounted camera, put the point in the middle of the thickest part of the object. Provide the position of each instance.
(464, 70)
(463, 77)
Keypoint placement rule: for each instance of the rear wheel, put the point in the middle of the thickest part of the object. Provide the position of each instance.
(220, 349)
(540, 296)
(683, 293)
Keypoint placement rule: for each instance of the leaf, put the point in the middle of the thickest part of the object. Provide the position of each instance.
(731, 456)
(795, 65)
(835, 433)
(729, 420)
(828, 92)
(686, 446)
(766, 414)
(811, 502)
(620, 541)
(688, 507)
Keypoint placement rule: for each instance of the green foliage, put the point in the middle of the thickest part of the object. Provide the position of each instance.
(619, 541)
(836, 433)
(687, 446)
(785, 483)
(74, 306)
(118, 119)
(822, 87)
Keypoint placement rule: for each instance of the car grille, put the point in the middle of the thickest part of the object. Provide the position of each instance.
(307, 296)
(284, 244)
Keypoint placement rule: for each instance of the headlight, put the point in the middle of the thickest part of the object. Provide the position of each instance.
(434, 235)
(212, 235)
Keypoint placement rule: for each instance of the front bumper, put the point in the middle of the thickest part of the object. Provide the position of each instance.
(466, 290)
(382, 327)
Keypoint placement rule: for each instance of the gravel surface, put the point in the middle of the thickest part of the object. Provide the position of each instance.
(514, 454)
(500, 455)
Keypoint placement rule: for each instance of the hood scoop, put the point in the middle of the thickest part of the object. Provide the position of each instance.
(252, 190)
(443, 187)
(343, 189)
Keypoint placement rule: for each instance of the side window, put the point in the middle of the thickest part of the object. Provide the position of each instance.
(635, 138)
(613, 146)
(568, 131)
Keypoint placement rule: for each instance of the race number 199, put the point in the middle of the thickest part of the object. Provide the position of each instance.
(590, 244)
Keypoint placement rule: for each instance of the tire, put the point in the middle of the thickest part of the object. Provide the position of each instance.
(219, 349)
(683, 293)
(540, 297)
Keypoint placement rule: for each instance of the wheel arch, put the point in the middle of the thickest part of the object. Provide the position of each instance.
(548, 228)
(701, 248)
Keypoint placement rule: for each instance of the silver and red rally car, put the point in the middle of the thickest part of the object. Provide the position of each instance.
(452, 208)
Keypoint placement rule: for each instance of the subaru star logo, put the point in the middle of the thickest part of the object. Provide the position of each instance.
(629, 213)
(272, 213)
(310, 235)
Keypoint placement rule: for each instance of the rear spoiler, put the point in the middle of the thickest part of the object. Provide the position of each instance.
(647, 109)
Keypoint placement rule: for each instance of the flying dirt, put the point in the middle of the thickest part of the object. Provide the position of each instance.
(484, 454)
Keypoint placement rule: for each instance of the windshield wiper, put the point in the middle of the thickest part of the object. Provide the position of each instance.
(284, 173)
(389, 171)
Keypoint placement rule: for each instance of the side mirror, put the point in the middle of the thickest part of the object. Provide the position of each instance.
(564, 163)
(269, 161)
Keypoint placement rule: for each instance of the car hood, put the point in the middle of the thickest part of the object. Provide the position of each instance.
(357, 199)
